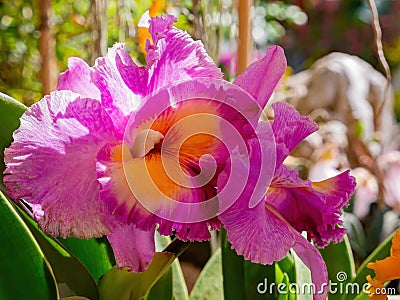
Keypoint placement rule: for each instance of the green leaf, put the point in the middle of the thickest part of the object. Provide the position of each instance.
(242, 278)
(209, 285)
(173, 279)
(340, 264)
(178, 281)
(303, 279)
(10, 112)
(282, 284)
(163, 288)
(232, 270)
(374, 229)
(25, 273)
(381, 252)
(69, 272)
(355, 233)
(254, 275)
(287, 266)
(124, 285)
(95, 254)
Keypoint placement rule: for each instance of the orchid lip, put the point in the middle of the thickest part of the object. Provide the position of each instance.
(178, 114)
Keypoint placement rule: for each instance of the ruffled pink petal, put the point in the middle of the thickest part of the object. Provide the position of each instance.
(261, 77)
(313, 207)
(117, 98)
(175, 56)
(132, 247)
(257, 233)
(52, 163)
(77, 79)
(314, 261)
(136, 78)
(290, 128)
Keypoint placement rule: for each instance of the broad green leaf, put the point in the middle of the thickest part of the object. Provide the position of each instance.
(242, 278)
(163, 288)
(178, 281)
(209, 284)
(254, 275)
(287, 265)
(69, 272)
(281, 288)
(25, 272)
(232, 270)
(174, 276)
(303, 279)
(10, 112)
(340, 264)
(95, 254)
(381, 252)
(124, 285)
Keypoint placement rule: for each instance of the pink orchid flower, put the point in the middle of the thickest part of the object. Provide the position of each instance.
(88, 157)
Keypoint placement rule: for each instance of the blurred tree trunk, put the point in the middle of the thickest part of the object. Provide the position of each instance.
(244, 45)
(48, 72)
(99, 28)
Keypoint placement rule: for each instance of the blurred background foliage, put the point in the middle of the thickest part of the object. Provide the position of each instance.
(307, 29)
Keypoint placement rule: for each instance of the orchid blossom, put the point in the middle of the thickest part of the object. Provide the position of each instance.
(105, 153)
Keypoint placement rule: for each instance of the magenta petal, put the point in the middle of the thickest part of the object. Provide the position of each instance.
(261, 77)
(290, 128)
(117, 98)
(257, 233)
(175, 55)
(314, 261)
(136, 78)
(52, 163)
(133, 248)
(77, 79)
(313, 207)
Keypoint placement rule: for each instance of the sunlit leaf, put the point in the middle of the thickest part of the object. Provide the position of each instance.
(209, 285)
(282, 284)
(172, 279)
(303, 279)
(68, 271)
(178, 282)
(124, 285)
(163, 288)
(340, 264)
(25, 272)
(242, 278)
(95, 254)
